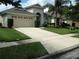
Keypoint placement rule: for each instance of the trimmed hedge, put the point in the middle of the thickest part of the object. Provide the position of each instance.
(10, 23)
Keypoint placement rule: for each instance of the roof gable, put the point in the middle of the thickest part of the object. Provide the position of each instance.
(37, 5)
(34, 6)
(17, 10)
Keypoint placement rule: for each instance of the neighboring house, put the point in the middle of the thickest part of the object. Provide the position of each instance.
(24, 17)
(73, 23)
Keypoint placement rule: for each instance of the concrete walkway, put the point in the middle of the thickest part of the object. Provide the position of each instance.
(51, 41)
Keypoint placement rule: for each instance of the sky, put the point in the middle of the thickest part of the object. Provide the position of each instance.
(26, 3)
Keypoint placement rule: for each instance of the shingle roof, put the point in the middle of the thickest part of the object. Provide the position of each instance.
(34, 6)
(17, 10)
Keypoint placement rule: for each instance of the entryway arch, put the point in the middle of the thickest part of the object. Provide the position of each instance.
(38, 19)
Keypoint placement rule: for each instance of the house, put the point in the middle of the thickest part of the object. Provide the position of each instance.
(38, 10)
(30, 16)
(73, 23)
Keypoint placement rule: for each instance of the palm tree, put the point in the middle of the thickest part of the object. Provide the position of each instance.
(74, 14)
(58, 10)
(77, 1)
(50, 12)
(59, 4)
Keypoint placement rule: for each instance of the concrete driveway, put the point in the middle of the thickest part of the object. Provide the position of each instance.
(51, 41)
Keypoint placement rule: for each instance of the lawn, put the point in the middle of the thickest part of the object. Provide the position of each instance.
(62, 30)
(8, 35)
(26, 51)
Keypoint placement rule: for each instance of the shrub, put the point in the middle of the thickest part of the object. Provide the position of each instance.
(37, 23)
(0, 24)
(65, 25)
(10, 23)
(45, 24)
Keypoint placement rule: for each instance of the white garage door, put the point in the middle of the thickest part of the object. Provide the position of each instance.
(24, 22)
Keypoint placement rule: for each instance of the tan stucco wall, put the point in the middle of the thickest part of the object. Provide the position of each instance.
(38, 10)
(1, 19)
(76, 23)
(41, 11)
(30, 10)
(69, 22)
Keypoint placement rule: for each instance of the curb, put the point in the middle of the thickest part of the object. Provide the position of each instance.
(60, 52)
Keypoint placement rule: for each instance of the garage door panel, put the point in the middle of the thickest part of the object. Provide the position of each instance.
(24, 23)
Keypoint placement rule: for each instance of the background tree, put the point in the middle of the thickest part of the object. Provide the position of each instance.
(59, 7)
(58, 10)
(15, 3)
(73, 13)
(49, 13)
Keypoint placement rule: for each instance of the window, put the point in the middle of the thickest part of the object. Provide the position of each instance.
(14, 16)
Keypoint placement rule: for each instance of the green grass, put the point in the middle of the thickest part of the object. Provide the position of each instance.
(29, 51)
(62, 30)
(8, 35)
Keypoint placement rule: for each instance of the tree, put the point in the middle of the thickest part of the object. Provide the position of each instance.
(10, 23)
(15, 3)
(58, 10)
(48, 15)
(73, 14)
(77, 1)
(59, 7)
